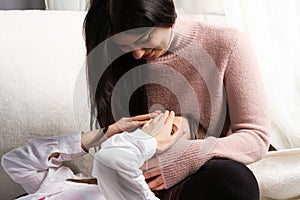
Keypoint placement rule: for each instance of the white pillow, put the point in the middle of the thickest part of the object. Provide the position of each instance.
(278, 174)
(41, 55)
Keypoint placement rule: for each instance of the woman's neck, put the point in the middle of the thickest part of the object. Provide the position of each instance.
(184, 31)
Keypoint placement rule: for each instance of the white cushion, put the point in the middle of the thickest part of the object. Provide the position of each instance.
(278, 174)
(41, 55)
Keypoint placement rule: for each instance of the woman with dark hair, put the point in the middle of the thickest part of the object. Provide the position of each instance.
(99, 25)
(145, 43)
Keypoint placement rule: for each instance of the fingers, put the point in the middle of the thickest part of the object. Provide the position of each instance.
(156, 183)
(140, 123)
(145, 116)
(151, 174)
(161, 117)
(167, 120)
(166, 115)
(174, 138)
(157, 112)
(148, 123)
(156, 118)
(160, 187)
(170, 119)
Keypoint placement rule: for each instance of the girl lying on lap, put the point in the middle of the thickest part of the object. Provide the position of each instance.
(37, 166)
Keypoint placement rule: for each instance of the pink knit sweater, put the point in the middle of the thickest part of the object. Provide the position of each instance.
(211, 72)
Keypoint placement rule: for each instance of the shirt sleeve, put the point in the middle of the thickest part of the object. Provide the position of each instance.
(28, 165)
(249, 121)
(117, 166)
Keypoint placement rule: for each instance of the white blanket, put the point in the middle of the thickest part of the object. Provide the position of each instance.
(41, 53)
(278, 174)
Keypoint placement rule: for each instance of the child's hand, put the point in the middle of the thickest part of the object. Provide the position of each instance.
(128, 124)
(160, 128)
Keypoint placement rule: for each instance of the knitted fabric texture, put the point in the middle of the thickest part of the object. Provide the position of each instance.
(211, 72)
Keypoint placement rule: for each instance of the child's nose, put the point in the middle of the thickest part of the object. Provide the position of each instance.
(138, 53)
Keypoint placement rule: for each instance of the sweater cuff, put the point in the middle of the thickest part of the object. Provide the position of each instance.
(184, 158)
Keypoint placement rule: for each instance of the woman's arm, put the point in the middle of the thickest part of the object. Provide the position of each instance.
(249, 121)
(28, 165)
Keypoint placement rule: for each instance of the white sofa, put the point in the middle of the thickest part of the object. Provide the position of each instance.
(42, 89)
(41, 55)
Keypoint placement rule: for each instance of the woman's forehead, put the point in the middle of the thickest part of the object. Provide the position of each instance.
(131, 36)
(124, 39)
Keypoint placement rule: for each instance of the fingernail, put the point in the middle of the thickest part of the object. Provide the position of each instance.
(153, 114)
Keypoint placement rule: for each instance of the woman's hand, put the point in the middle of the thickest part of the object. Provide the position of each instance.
(154, 180)
(97, 137)
(128, 124)
(153, 177)
(160, 128)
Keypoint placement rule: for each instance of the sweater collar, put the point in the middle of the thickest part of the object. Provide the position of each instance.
(184, 31)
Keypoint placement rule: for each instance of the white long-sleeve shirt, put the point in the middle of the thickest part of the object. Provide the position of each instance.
(119, 160)
(118, 174)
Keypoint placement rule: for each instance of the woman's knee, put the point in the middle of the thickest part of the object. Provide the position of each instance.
(222, 178)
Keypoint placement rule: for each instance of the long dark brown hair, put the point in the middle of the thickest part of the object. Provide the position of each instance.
(106, 18)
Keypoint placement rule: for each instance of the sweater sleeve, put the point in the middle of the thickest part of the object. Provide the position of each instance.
(249, 121)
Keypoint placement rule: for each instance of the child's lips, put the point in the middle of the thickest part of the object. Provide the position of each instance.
(149, 55)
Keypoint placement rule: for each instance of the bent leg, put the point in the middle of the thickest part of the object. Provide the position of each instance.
(221, 179)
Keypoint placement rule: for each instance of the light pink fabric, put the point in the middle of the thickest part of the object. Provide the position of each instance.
(246, 125)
